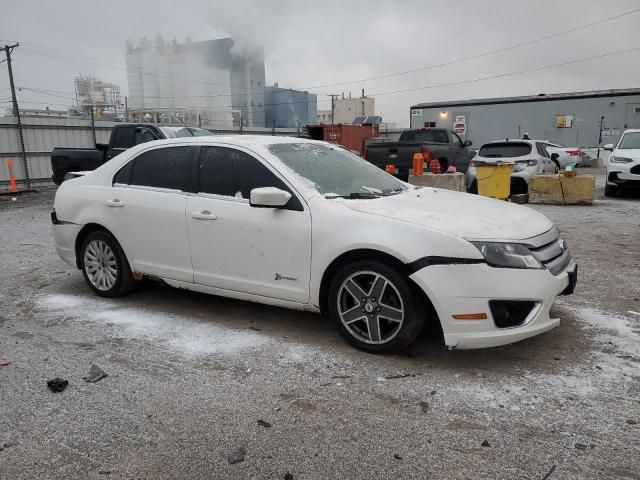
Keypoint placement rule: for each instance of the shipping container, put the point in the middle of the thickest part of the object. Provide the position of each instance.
(349, 136)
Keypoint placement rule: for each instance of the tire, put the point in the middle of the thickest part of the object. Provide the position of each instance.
(363, 323)
(105, 266)
(610, 190)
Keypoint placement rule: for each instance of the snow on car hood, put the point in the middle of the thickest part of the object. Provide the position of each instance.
(633, 153)
(465, 215)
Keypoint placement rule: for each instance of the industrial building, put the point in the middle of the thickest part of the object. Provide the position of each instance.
(346, 109)
(573, 119)
(101, 97)
(210, 83)
(287, 108)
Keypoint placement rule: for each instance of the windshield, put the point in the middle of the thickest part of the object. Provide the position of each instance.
(505, 150)
(630, 141)
(334, 171)
(180, 132)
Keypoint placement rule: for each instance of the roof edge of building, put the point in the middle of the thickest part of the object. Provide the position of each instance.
(532, 98)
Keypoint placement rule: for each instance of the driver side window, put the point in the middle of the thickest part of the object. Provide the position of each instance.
(232, 173)
(455, 139)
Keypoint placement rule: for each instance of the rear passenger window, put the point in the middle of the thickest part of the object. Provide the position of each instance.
(232, 173)
(542, 150)
(143, 135)
(122, 137)
(162, 168)
(124, 175)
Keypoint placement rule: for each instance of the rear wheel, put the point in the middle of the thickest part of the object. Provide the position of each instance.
(610, 191)
(374, 307)
(104, 265)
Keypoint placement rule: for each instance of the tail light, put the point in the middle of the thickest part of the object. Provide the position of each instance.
(365, 154)
(574, 153)
(472, 163)
(532, 163)
(426, 155)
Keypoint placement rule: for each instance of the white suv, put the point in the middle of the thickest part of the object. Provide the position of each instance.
(623, 167)
(530, 157)
(310, 226)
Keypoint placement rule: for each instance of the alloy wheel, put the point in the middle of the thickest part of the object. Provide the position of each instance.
(370, 307)
(100, 265)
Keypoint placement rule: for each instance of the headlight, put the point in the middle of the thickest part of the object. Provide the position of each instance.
(613, 159)
(511, 255)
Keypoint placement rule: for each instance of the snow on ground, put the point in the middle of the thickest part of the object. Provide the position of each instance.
(178, 332)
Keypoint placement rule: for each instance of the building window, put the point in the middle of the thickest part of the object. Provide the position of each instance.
(564, 121)
(430, 124)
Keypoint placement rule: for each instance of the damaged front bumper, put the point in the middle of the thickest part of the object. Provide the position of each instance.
(518, 300)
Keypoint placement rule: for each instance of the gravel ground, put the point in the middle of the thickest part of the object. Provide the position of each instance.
(190, 375)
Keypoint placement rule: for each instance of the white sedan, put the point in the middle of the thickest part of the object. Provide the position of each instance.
(307, 225)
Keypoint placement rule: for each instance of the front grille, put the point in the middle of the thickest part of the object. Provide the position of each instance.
(550, 250)
(635, 170)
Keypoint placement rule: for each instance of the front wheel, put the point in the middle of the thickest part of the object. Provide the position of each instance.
(374, 307)
(105, 266)
(610, 191)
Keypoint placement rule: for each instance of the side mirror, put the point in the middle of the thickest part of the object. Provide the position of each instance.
(555, 156)
(608, 146)
(103, 147)
(268, 197)
(467, 143)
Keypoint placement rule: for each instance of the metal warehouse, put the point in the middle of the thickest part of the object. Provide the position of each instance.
(574, 119)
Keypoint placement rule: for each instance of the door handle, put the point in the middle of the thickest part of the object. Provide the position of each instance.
(114, 203)
(203, 215)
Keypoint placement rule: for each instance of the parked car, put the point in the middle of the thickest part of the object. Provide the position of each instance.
(443, 145)
(623, 167)
(307, 225)
(530, 158)
(566, 155)
(65, 160)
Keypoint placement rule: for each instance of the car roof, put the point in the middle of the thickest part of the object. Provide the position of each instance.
(239, 140)
(632, 130)
(511, 140)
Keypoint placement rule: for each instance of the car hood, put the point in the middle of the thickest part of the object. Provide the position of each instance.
(461, 214)
(633, 153)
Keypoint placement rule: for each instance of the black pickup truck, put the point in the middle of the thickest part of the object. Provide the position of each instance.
(445, 146)
(126, 135)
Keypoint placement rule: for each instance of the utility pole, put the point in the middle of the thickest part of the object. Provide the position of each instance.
(126, 109)
(16, 113)
(333, 110)
(600, 135)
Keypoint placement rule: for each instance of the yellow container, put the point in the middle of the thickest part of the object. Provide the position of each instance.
(494, 180)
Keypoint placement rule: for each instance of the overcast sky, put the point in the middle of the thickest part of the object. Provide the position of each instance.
(307, 44)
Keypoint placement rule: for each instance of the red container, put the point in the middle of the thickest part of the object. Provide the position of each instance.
(349, 136)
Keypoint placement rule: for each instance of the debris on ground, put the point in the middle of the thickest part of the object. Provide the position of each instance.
(95, 374)
(548, 474)
(580, 446)
(424, 406)
(288, 476)
(264, 424)
(104, 472)
(397, 457)
(400, 375)
(4, 363)
(486, 443)
(632, 422)
(57, 385)
(237, 455)
(5, 445)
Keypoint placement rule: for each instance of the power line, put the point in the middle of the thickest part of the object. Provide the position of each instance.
(119, 65)
(537, 69)
(484, 54)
